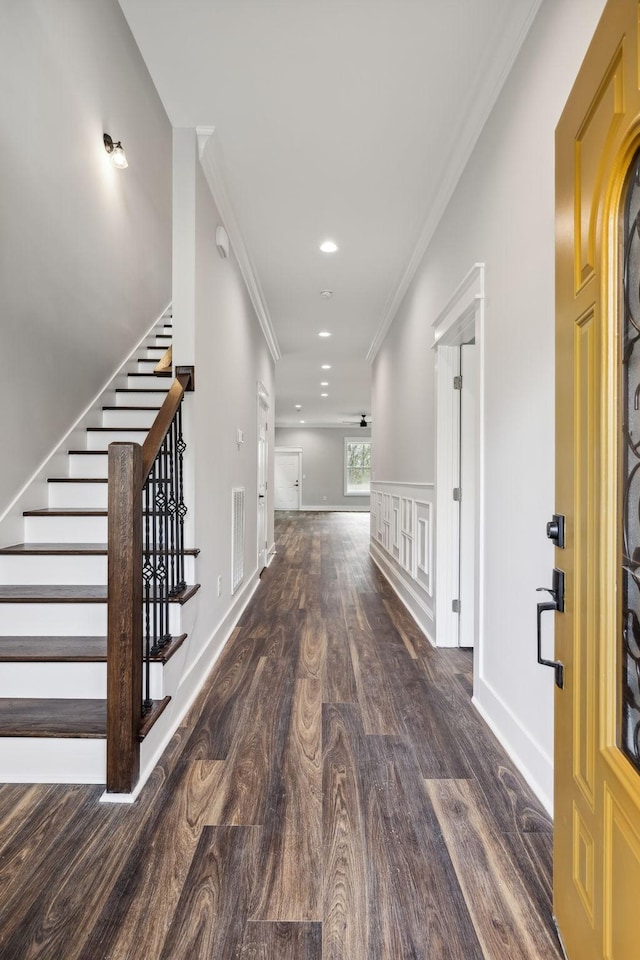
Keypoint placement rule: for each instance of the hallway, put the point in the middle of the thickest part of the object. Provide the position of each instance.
(331, 794)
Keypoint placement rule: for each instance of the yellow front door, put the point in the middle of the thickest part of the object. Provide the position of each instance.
(597, 740)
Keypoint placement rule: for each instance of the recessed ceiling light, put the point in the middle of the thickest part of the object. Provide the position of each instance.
(324, 383)
(324, 333)
(298, 406)
(326, 294)
(324, 394)
(326, 366)
(328, 246)
(302, 421)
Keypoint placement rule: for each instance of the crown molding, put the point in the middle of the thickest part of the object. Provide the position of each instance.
(211, 162)
(465, 140)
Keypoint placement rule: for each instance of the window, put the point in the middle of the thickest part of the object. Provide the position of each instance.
(357, 467)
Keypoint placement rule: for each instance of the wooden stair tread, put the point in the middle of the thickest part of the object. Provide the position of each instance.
(77, 480)
(54, 549)
(72, 549)
(138, 408)
(85, 719)
(66, 512)
(72, 593)
(138, 390)
(53, 649)
(81, 719)
(70, 649)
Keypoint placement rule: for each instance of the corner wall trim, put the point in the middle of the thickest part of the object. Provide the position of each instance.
(212, 164)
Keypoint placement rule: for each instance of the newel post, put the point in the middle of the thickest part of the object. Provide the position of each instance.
(124, 617)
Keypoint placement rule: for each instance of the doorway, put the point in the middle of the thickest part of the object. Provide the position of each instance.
(288, 478)
(263, 474)
(459, 432)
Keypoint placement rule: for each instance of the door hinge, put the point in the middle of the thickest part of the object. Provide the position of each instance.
(457, 383)
(455, 606)
(457, 493)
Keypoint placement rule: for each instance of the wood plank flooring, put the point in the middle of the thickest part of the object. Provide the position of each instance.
(332, 795)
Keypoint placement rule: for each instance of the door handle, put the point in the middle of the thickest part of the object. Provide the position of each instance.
(556, 604)
(261, 496)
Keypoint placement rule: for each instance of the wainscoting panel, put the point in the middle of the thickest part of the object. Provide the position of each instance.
(402, 539)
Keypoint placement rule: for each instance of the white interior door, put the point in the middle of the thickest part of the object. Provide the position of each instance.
(466, 635)
(263, 462)
(287, 480)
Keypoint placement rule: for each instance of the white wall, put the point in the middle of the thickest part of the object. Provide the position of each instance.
(502, 214)
(85, 249)
(217, 331)
(323, 465)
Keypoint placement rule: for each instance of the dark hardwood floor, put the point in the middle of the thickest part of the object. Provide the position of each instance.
(332, 795)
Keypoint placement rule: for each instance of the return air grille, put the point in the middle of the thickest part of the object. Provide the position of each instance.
(237, 538)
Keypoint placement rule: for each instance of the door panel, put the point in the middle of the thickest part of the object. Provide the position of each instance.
(287, 480)
(468, 431)
(597, 790)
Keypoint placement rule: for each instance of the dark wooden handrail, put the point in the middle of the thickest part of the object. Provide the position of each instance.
(160, 427)
(130, 466)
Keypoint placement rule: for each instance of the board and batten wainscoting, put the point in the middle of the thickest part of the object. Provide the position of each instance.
(402, 544)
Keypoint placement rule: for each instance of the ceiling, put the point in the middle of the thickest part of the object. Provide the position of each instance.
(341, 119)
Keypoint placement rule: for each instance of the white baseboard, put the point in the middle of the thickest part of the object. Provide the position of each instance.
(190, 686)
(406, 590)
(533, 763)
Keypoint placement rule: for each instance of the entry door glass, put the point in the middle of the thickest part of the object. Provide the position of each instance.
(629, 713)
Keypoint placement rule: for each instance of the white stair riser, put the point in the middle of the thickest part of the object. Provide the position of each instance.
(144, 365)
(66, 681)
(47, 529)
(150, 382)
(128, 418)
(52, 760)
(160, 341)
(100, 439)
(65, 619)
(94, 466)
(136, 398)
(92, 496)
(51, 570)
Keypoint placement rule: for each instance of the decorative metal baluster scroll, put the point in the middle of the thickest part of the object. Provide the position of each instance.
(163, 566)
(630, 654)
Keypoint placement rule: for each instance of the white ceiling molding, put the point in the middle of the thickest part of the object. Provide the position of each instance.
(469, 131)
(212, 165)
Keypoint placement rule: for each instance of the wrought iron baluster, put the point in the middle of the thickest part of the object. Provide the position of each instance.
(154, 555)
(182, 509)
(147, 576)
(172, 506)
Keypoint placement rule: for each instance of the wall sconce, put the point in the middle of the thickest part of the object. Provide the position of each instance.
(115, 151)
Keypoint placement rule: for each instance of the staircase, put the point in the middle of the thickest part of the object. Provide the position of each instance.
(53, 602)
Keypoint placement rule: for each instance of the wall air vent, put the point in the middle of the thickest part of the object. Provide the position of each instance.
(237, 538)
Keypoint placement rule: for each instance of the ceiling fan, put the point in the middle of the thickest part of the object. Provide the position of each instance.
(362, 422)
